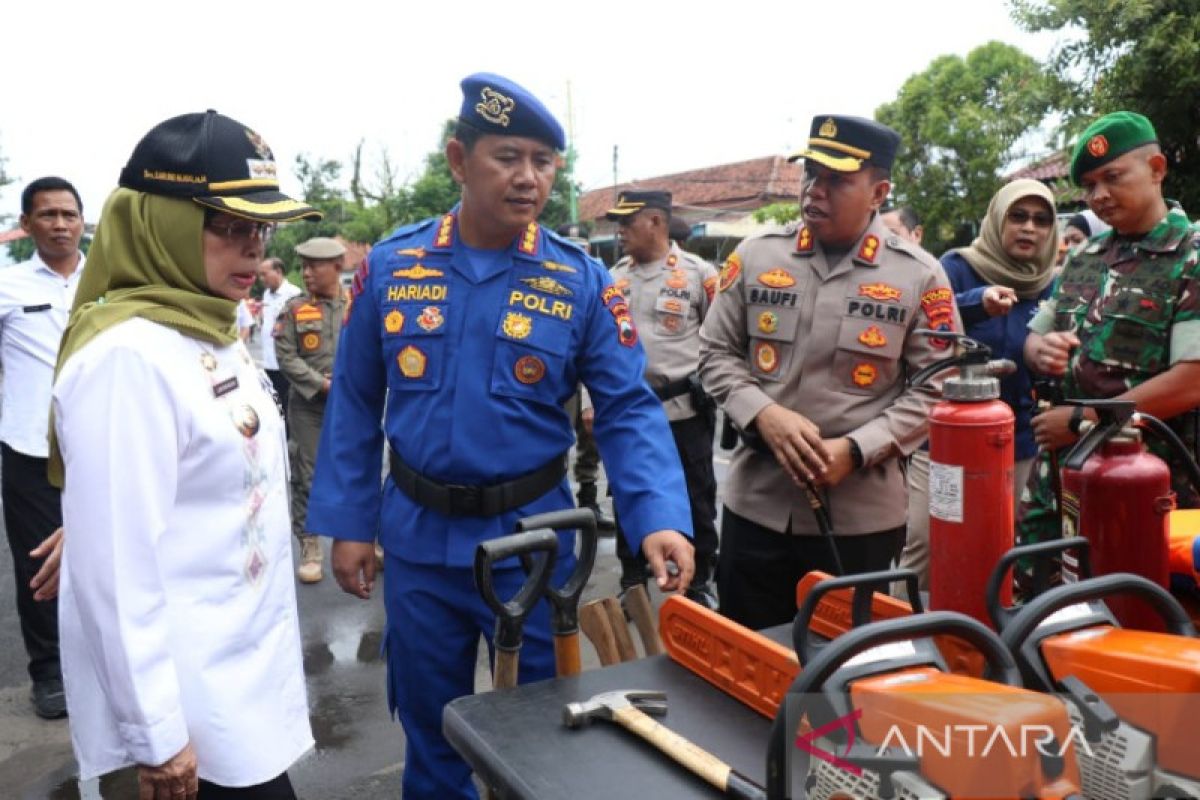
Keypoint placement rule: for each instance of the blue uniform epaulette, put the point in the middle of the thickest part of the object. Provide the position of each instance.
(405, 231)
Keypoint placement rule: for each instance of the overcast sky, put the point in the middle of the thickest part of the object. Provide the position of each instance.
(673, 85)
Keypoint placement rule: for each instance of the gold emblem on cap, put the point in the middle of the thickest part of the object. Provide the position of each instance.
(495, 106)
(828, 129)
(259, 145)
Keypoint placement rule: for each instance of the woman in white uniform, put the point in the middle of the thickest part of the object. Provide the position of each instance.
(180, 642)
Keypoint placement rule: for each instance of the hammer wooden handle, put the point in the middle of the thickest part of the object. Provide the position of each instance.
(593, 621)
(693, 757)
(636, 602)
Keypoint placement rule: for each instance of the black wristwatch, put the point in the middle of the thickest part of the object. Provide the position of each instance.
(856, 456)
(1076, 420)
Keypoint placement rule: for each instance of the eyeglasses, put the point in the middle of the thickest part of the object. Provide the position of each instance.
(1019, 216)
(243, 230)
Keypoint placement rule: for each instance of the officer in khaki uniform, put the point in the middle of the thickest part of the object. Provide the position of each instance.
(807, 347)
(668, 291)
(306, 338)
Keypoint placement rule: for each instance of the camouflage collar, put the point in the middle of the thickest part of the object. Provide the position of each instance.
(1167, 235)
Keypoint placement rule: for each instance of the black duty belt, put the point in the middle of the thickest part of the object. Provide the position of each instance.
(674, 388)
(458, 500)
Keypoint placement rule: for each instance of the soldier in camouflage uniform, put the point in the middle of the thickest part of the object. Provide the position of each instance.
(1124, 320)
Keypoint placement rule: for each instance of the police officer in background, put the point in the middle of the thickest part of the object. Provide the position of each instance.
(668, 292)
(807, 346)
(476, 327)
(306, 339)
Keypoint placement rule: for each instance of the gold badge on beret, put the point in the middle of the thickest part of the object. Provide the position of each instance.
(495, 107)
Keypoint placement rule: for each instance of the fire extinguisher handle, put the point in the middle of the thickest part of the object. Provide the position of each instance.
(1002, 615)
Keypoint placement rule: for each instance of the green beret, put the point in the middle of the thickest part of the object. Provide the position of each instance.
(1108, 138)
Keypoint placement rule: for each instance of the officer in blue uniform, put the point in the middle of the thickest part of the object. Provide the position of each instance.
(476, 327)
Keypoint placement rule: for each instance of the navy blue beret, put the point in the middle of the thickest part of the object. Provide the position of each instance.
(493, 104)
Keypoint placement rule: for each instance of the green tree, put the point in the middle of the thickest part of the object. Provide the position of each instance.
(778, 213)
(1139, 56)
(961, 122)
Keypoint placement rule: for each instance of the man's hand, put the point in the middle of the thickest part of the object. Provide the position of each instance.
(174, 780)
(1050, 429)
(354, 566)
(795, 441)
(588, 417)
(326, 386)
(841, 462)
(1050, 354)
(998, 300)
(667, 545)
(45, 582)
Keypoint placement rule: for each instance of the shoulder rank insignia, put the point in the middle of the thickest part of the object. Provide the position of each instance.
(777, 278)
(672, 260)
(879, 291)
(873, 337)
(415, 252)
(411, 362)
(529, 239)
(869, 250)
(431, 319)
(418, 272)
(445, 233)
(516, 325)
(547, 286)
(730, 271)
(394, 321)
(804, 240)
(554, 266)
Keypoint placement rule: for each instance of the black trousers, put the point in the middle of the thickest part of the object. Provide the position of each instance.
(32, 511)
(694, 441)
(759, 568)
(279, 788)
(280, 382)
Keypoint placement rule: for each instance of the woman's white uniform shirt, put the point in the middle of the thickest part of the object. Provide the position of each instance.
(177, 607)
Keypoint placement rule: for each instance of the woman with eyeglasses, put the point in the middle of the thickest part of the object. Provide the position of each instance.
(180, 641)
(998, 282)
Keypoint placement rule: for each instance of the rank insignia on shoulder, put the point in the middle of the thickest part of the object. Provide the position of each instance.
(677, 279)
(626, 331)
(394, 321)
(516, 325)
(768, 322)
(445, 233)
(777, 278)
(869, 250)
(873, 337)
(804, 240)
(529, 369)
(864, 374)
(879, 291)
(730, 271)
(710, 287)
(554, 266)
(528, 243)
(412, 362)
(310, 341)
(414, 252)
(766, 357)
(672, 260)
(547, 285)
(431, 319)
(418, 272)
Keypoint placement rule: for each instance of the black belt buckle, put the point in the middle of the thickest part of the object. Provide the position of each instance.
(464, 501)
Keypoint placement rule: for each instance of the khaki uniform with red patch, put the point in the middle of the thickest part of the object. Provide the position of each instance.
(668, 301)
(306, 338)
(833, 342)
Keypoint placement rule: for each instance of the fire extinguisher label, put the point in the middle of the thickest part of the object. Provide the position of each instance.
(946, 492)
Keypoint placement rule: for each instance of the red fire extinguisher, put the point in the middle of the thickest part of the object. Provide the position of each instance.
(1117, 494)
(970, 478)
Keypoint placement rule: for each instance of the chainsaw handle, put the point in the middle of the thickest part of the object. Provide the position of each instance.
(1001, 615)
(564, 600)
(511, 614)
(862, 587)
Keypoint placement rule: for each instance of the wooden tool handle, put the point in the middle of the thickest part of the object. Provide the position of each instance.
(593, 621)
(507, 662)
(566, 654)
(620, 629)
(636, 602)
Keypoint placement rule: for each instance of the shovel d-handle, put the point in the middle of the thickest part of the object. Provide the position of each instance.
(564, 600)
(1002, 615)
(511, 614)
(815, 678)
(1019, 636)
(862, 587)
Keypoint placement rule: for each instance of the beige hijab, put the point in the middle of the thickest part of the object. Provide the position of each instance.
(986, 254)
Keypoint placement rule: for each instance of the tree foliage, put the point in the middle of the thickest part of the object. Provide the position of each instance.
(1140, 55)
(778, 213)
(961, 122)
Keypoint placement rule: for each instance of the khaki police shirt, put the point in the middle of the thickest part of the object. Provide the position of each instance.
(833, 342)
(668, 300)
(306, 337)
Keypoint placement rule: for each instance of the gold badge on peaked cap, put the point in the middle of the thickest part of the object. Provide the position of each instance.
(260, 146)
(828, 129)
(495, 106)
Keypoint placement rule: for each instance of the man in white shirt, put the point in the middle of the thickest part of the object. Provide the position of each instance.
(278, 291)
(245, 322)
(35, 301)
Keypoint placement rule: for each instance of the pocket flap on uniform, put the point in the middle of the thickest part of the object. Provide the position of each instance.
(765, 322)
(535, 330)
(867, 336)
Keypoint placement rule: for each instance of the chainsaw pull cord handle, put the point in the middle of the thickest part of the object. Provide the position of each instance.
(862, 587)
(1001, 615)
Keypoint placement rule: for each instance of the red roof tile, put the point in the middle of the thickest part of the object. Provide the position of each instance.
(1052, 167)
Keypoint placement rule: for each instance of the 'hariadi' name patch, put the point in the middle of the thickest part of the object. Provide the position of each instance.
(417, 293)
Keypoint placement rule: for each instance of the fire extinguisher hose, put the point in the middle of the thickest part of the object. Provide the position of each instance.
(1165, 434)
(824, 523)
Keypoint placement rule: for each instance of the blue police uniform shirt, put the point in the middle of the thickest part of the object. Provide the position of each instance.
(475, 357)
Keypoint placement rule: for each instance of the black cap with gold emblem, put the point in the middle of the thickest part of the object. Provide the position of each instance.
(846, 144)
(629, 203)
(494, 104)
(215, 161)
